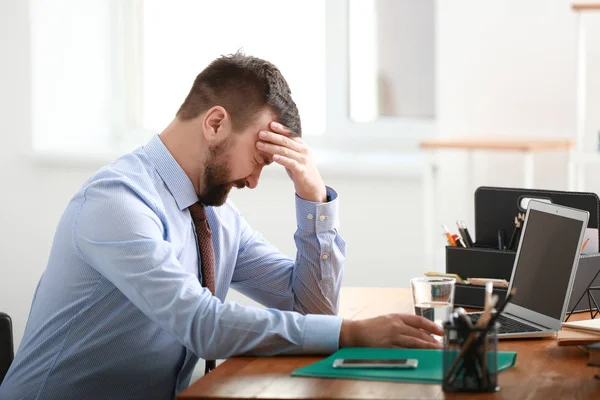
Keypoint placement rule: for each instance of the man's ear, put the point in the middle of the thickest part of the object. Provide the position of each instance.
(216, 124)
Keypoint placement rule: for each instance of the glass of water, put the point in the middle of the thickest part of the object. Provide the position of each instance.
(433, 297)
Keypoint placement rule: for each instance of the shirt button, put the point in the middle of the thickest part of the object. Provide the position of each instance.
(309, 216)
(324, 257)
(322, 218)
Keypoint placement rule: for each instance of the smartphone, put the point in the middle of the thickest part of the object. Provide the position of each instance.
(406, 363)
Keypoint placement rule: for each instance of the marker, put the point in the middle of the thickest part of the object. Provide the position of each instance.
(585, 243)
(464, 232)
(451, 240)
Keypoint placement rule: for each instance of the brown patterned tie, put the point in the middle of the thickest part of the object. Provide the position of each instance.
(207, 256)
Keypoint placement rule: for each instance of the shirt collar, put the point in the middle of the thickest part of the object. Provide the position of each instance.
(178, 183)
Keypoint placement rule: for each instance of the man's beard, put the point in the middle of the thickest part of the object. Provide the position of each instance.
(217, 177)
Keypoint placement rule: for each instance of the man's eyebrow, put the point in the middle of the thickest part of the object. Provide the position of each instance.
(265, 157)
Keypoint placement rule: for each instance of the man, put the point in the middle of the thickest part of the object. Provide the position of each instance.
(133, 292)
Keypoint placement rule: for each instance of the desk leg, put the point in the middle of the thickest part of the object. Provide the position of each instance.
(429, 182)
(581, 99)
(528, 171)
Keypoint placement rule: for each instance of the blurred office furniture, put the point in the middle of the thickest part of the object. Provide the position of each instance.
(6, 344)
(526, 146)
(580, 156)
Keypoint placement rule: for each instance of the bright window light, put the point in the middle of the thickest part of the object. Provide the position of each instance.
(181, 37)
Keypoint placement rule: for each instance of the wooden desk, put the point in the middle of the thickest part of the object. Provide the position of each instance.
(470, 144)
(543, 370)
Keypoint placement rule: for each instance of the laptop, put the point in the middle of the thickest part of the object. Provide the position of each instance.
(543, 272)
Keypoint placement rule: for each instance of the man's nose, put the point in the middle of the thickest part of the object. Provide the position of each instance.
(252, 179)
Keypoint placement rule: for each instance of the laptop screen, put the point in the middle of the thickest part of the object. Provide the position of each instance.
(545, 262)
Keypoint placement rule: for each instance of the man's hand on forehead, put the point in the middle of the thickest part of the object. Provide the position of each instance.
(294, 155)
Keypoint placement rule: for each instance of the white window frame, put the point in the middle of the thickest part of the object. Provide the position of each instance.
(389, 134)
(127, 44)
(386, 134)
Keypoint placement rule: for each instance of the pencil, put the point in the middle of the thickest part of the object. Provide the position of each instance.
(489, 288)
(585, 243)
(464, 232)
(459, 241)
(513, 237)
(493, 319)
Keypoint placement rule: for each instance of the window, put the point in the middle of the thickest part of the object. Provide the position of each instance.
(107, 74)
(391, 59)
(71, 74)
(358, 50)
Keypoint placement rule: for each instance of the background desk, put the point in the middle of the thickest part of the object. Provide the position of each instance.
(543, 370)
(526, 146)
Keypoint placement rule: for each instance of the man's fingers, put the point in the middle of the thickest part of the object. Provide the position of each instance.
(280, 128)
(277, 149)
(288, 163)
(423, 323)
(415, 343)
(418, 333)
(295, 144)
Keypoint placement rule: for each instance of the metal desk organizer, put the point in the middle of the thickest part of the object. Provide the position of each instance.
(589, 290)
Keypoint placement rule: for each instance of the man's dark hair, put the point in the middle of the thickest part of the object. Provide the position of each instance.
(243, 85)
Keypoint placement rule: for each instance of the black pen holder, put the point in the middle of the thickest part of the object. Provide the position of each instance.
(470, 359)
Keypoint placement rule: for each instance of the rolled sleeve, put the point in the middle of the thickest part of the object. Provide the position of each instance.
(320, 257)
(321, 334)
(318, 217)
(309, 284)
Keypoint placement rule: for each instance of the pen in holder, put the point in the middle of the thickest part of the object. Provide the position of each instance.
(470, 358)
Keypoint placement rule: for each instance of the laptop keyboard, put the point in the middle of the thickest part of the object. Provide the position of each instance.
(508, 325)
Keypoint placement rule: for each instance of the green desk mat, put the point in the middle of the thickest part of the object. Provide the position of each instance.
(429, 369)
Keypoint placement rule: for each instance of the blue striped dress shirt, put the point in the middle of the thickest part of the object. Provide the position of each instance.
(119, 312)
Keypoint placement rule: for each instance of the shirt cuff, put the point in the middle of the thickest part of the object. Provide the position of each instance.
(321, 334)
(318, 217)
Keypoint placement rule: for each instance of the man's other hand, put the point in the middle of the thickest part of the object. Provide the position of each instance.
(392, 330)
